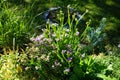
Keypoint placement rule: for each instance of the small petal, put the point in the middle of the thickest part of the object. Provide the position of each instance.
(27, 68)
(77, 33)
(83, 55)
(53, 35)
(69, 52)
(67, 30)
(69, 59)
(36, 67)
(66, 71)
(118, 45)
(63, 51)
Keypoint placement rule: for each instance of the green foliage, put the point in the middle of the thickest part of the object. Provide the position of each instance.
(84, 70)
(95, 36)
(57, 47)
(13, 25)
(58, 51)
(35, 66)
(93, 39)
(9, 68)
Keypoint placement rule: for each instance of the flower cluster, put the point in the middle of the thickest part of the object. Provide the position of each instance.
(58, 48)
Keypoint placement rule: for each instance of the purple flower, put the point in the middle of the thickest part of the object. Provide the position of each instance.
(69, 52)
(55, 63)
(37, 39)
(69, 59)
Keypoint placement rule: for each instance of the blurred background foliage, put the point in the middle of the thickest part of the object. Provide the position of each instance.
(97, 10)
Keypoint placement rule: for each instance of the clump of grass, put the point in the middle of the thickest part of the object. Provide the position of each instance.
(13, 26)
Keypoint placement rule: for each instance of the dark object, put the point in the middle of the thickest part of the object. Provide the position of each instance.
(1, 50)
(51, 15)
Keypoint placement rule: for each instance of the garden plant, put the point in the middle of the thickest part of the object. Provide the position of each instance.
(56, 52)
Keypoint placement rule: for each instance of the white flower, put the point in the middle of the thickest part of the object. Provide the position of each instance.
(27, 68)
(118, 45)
(53, 35)
(67, 30)
(110, 67)
(77, 33)
(53, 66)
(54, 24)
(66, 71)
(36, 67)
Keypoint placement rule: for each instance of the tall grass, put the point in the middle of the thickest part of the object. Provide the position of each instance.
(14, 26)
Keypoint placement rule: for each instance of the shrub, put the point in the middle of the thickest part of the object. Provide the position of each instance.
(57, 52)
(9, 67)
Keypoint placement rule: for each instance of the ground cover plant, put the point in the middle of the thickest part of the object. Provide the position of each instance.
(58, 52)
